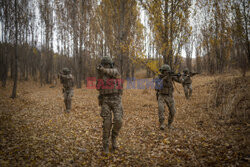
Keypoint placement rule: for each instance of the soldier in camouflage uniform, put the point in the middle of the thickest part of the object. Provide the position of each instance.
(110, 93)
(68, 83)
(187, 82)
(164, 92)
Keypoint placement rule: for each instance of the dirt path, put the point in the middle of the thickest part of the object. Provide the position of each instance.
(34, 130)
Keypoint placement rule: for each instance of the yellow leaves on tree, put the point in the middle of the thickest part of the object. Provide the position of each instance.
(35, 52)
(170, 25)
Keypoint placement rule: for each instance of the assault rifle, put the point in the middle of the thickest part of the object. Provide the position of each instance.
(194, 73)
(98, 67)
(190, 74)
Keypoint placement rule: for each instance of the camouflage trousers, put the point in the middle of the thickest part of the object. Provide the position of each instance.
(169, 100)
(111, 104)
(68, 94)
(187, 90)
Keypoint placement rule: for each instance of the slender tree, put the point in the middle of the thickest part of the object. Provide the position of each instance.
(16, 60)
(169, 19)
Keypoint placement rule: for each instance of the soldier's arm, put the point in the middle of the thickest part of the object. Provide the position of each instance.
(67, 77)
(112, 72)
(62, 78)
(177, 79)
(98, 87)
(72, 80)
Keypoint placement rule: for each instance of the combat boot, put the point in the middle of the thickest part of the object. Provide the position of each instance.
(162, 126)
(116, 128)
(105, 148)
(170, 127)
(190, 92)
(69, 104)
(68, 108)
(114, 143)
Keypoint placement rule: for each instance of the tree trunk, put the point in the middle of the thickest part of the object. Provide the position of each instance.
(127, 67)
(133, 72)
(15, 64)
(170, 54)
(121, 34)
(165, 40)
(4, 66)
(246, 31)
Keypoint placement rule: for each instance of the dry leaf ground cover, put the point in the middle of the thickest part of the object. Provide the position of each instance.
(34, 130)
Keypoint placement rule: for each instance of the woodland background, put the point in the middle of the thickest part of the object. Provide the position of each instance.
(40, 37)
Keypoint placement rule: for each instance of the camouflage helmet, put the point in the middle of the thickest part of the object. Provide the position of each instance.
(106, 60)
(66, 70)
(185, 70)
(165, 67)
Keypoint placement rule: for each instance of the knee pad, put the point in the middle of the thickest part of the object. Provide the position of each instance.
(117, 126)
(172, 112)
(161, 108)
(107, 123)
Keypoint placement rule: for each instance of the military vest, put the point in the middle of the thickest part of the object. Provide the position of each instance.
(107, 85)
(67, 81)
(165, 86)
(187, 79)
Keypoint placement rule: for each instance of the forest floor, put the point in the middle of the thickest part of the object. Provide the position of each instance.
(35, 130)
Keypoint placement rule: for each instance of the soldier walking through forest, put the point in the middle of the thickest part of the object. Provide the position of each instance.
(110, 91)
(67, 80)
(187, 82)
(164, 93)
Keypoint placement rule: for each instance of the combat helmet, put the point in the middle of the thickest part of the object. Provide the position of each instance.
(66, 70)
(165, 67)
(107, 60)
(185, 70)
